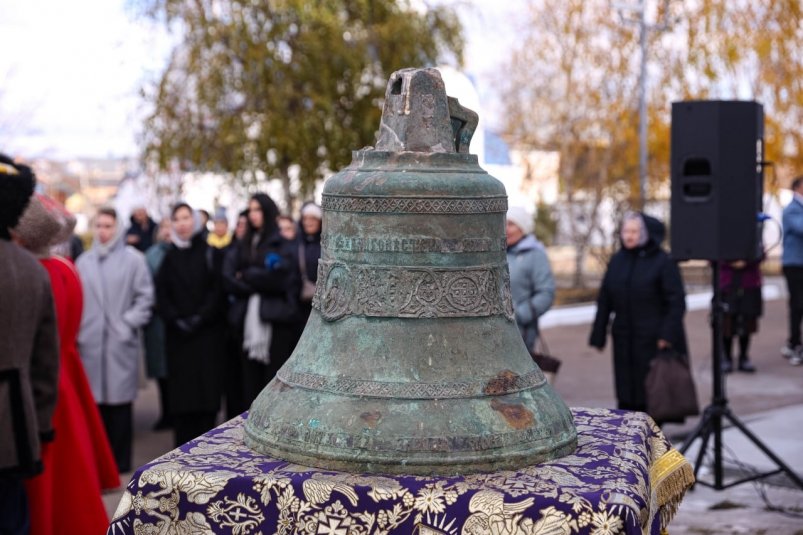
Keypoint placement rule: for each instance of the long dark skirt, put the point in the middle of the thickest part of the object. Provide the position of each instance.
(255, 375)
(195, 363)
(743, 308)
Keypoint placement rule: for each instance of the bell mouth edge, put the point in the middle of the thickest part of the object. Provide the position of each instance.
(418, 464)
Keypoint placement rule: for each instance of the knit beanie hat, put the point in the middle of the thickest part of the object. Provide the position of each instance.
(313, 210)
(220, 214)
(519, 216)
(16, 187)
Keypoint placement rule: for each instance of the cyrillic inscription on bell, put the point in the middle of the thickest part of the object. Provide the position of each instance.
(411, 361)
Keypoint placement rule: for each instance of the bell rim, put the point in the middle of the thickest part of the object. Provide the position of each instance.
(417, 464)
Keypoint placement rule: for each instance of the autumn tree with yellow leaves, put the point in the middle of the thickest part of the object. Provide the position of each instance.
(570, 85)
(747, 50)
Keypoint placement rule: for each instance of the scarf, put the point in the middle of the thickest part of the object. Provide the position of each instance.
(105, 248)
(644, 235)
(219, 242)
(257, 334)
(196, 228)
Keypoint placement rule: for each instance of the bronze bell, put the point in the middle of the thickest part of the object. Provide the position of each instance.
(411, 361)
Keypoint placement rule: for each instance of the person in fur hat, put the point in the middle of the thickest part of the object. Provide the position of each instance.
(29, 354)
(78, 464)
(118, 296)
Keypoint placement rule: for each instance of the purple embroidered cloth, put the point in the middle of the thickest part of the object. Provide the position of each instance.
(624, 478)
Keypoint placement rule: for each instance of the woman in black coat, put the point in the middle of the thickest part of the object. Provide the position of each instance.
(643, 288)
(261, 277)
(188, 300)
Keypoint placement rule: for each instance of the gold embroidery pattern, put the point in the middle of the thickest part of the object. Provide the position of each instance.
(624, 479)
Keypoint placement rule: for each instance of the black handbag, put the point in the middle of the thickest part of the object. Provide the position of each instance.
(541, 355)
(669, 387)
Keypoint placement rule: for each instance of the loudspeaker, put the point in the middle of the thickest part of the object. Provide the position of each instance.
(716, 161)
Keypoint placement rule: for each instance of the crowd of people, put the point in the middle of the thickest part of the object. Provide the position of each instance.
(217, 313)
(220, 312)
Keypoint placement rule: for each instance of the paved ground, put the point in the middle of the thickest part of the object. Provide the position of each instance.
(769, 402)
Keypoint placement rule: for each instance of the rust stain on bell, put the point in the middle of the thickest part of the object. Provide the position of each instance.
(516, 415)
(501, 383)
(411, 361)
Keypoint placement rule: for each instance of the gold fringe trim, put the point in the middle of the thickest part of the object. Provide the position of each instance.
(670, 477)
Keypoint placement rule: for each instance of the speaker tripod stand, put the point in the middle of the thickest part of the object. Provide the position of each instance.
(711, 421)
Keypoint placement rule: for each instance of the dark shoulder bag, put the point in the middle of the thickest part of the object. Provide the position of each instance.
(541, 355)
(669, 387)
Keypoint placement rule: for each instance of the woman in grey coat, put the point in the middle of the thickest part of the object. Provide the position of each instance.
(118, 296)
(531, 284)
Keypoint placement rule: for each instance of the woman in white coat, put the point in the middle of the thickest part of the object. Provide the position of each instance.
(118, 296)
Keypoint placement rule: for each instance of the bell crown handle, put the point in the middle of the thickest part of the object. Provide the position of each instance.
(418, 116)
(464, 124)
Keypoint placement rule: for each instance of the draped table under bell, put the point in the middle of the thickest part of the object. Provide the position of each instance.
(624, 478)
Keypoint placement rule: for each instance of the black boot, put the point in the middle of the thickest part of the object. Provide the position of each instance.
(745, 365)
(744, 361)
(727, 352)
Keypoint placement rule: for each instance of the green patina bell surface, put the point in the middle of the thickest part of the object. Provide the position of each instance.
(411, 361)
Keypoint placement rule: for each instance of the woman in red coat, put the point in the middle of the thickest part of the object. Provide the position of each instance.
(78, 464)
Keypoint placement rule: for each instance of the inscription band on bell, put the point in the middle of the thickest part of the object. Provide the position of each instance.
(414, 205)
(341, 242)
(411, 292)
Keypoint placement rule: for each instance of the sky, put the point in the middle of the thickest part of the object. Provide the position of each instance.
(70, 75)
(71, 72)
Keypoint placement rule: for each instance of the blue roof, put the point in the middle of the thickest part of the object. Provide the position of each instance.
(497, 151)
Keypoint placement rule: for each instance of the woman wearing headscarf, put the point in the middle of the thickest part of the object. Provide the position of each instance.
(188, 299)
(262, 278)
(78, 463)
(643, 288)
